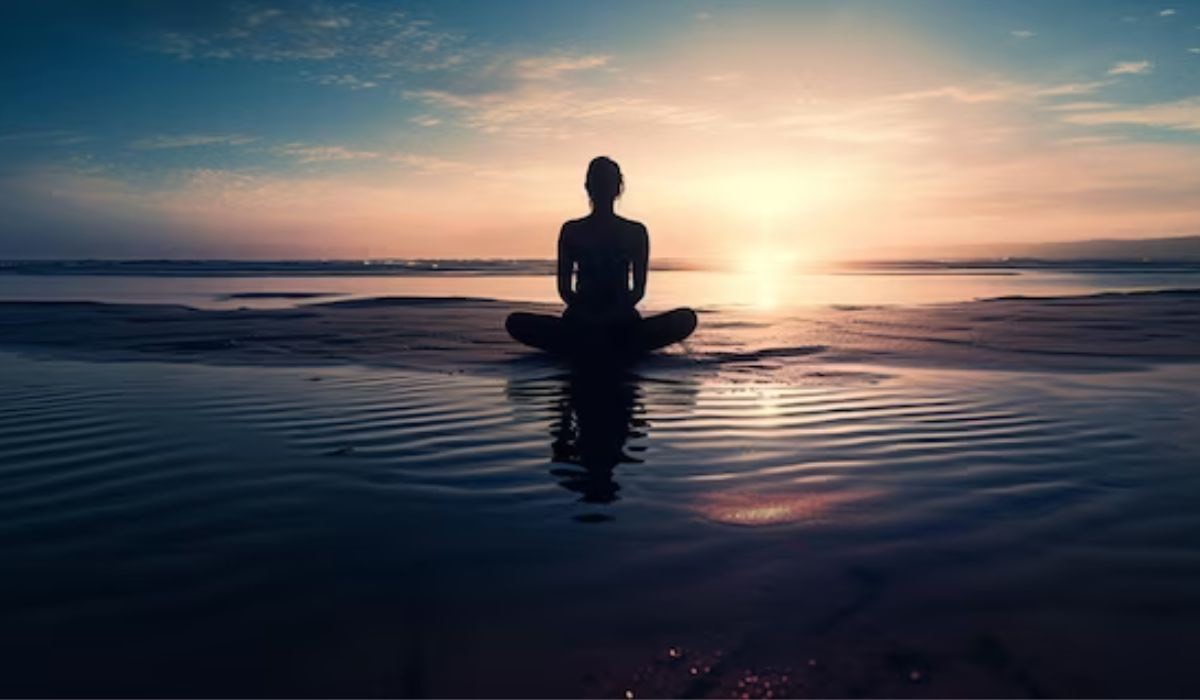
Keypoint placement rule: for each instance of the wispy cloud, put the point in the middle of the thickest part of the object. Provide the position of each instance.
(346, 80)
(168, 141)
(1086, 140)
(1166, 13)
(1080, 106)
(333, 22)
(545, 111)
(427, 163)
(56, 137)
(1023, 33)
(969, 95)
(1131, 68)
(387, 39)
(1066, 89)
(546, 67)
(1194, 49)
(1181, 115)
(316, 153)
(361, 46)
(306, 153)
(1002, 91)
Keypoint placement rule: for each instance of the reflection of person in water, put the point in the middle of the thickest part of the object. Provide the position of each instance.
(603, 261)
(594, 415)
(598, 421)
(597, 416)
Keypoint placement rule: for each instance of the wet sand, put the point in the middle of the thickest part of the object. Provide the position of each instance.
(1102, 331)
(389, 498)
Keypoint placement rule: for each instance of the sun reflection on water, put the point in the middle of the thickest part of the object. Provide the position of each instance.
(767, 273)
(749, 509)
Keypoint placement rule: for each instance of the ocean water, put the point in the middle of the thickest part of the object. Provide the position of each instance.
(182, 529)
(980, 499)
(216, 284)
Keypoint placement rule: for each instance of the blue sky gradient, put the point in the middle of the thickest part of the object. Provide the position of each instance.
(460, 129)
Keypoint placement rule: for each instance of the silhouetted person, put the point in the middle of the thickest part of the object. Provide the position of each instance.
(603, 261)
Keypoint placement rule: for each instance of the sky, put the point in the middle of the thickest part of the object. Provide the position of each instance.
(453, 129)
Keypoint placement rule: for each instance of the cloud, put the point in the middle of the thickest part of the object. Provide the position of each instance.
(313, 153)
(1080, 106)
(169, 141)
(548, 67)
(1086, 140)
(1166, 13)
(330, 22)
(386, 39)
(425, 120)
(55, 137)
(1131, 68)
(306, 153)
(346, 80)
(214, 212)
(588, 111)
(1023, 33)
(702, 16)
(254, 18)
(969, 95)
(1064, 89)
(538, 110)
(361, 46)
(428, 163)
(1195, 49)
(1090, 187)
(1181, 115)
(1003, 91)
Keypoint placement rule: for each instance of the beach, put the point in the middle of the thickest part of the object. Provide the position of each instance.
(387, 496)
(673, 349)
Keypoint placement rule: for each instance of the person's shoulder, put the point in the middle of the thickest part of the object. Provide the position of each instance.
(634, 231)
(631, 225)
(570, 226)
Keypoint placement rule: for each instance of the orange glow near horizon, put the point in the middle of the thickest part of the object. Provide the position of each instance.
(764, 143)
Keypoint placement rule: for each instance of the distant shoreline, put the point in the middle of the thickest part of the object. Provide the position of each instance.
(545, 267)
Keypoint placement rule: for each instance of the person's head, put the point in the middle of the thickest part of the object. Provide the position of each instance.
(604, 182)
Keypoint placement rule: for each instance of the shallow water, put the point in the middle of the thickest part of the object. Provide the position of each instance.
(768, 289)
(176, 529)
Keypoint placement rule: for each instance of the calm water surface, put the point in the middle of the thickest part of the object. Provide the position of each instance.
(174, 529)
(769, 288)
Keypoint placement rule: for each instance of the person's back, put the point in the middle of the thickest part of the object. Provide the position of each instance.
(608, 254)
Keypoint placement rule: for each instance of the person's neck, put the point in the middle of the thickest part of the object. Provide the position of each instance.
(603, 209)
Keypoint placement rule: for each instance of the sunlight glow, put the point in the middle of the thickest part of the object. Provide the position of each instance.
(760, 131)
(759, 510)
(767, 273)
(775, 193)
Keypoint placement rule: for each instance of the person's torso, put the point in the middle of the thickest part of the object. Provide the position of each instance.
(603, 250)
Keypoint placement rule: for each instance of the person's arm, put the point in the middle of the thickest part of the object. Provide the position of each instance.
(566, 266)
(641, 263)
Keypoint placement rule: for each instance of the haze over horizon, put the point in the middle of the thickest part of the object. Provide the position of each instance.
(461, 130)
